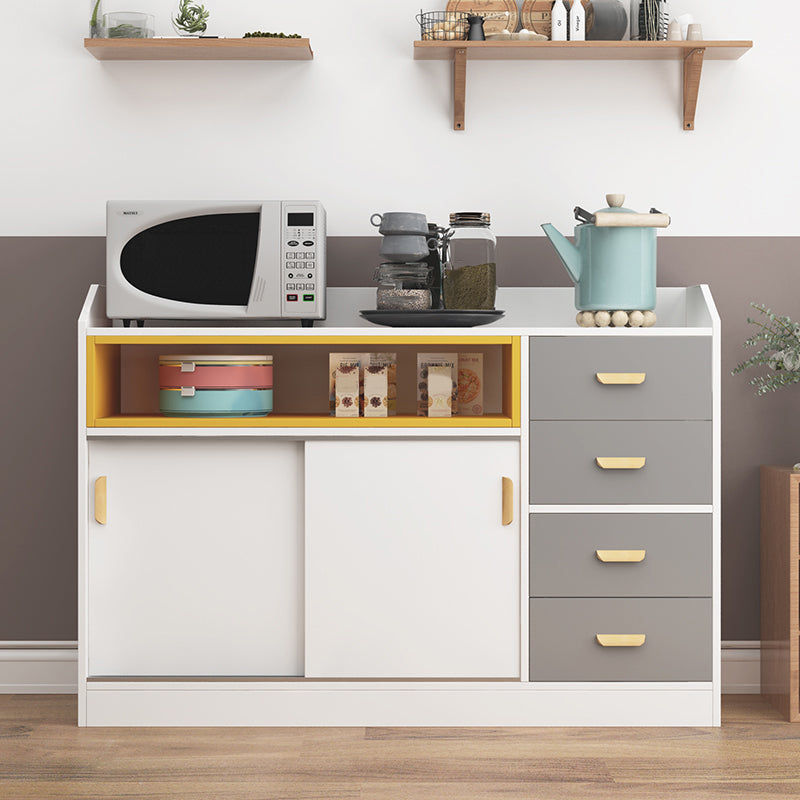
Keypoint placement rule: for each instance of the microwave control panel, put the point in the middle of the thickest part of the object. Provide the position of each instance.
(303, 260)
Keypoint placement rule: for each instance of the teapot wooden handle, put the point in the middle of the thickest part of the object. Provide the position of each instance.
(608, 219)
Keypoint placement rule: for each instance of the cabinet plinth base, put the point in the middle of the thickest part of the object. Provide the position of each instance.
(366, 704)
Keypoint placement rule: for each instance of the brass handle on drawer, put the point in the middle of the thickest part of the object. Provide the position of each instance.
(614, 556)
(508, 501)
(636, 462)
(620, 378)
(620, 639)
(100, 500)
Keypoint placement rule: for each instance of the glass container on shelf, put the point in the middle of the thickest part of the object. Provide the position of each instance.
(470, 263)
(404, 287)
(96, 19)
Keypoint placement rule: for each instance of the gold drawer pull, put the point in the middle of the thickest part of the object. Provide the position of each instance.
(100, 498)
(620, 639)
(620, 378)
(620, 463)
(613, 556)
(508, 501)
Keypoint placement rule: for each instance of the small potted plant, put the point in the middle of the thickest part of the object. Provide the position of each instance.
(191, 19)
(779, 340)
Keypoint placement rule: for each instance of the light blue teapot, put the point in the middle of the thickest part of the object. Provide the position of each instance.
(613, 260)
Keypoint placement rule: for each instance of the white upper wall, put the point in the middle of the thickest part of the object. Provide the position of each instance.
(363, 127)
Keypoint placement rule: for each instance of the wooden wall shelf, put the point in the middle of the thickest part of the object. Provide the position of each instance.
(192, 49)
(692, 54)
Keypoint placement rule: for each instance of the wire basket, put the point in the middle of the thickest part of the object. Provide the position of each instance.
(443, 25)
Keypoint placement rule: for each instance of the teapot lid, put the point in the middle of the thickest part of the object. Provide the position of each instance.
(615, 202)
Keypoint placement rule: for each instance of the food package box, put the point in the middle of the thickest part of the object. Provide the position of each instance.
(470, 384)
(424, 362)
(335, 361)
(440, 391)
(389, 360)
(347, 383)
(376, 390)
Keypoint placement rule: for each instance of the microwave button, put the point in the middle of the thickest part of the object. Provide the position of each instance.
(308, 298)
(292, 243)
(291, 297)
(310, 274)
(310, 255)
(308, 243)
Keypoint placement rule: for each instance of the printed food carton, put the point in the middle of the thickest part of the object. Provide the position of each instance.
(347, 383)
(424, 362)
(376, 390)
(470, 384)
(336, 362)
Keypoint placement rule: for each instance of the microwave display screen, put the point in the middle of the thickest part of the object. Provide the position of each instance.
(297, 220)
(204, 259)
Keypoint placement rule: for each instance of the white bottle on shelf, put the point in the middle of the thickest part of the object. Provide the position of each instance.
(558, 22)
(577, 22)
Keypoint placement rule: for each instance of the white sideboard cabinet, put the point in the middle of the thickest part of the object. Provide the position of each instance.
(552, 562)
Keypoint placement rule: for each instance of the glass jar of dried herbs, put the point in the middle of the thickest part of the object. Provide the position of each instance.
(470, 269)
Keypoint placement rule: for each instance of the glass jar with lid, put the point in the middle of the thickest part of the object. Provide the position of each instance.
(404, 287)
(470, 269)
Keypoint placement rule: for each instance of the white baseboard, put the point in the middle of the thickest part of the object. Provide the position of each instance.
(38, 667)
(52, 668)
(741, 667)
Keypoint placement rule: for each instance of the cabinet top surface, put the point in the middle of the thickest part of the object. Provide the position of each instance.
(528, 311)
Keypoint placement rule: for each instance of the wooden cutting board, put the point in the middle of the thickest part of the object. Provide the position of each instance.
(535, 15)
(485, 7)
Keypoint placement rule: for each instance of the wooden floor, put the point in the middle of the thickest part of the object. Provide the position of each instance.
(44, 755)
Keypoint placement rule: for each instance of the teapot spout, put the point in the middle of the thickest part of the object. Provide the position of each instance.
(569, 254)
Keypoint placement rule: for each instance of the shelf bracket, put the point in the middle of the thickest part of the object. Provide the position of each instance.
(459, 87)
(692, 67)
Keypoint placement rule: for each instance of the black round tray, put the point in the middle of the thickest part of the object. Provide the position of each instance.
(431, 318)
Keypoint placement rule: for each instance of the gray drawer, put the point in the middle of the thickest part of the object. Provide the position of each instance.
(564, 559)
(564, 383)
(677, 465)
(677, 644)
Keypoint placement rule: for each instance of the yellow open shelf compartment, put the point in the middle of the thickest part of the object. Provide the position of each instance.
(122, 379)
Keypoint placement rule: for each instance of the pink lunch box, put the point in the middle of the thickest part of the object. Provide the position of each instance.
(215, 372)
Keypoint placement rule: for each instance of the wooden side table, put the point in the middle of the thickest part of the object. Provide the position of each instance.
(780, 585)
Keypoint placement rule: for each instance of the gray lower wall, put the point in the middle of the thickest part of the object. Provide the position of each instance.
(44, 282)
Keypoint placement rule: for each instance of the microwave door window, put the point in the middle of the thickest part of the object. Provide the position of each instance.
(204, 259)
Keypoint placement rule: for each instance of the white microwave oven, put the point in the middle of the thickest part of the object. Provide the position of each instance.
(218, 260)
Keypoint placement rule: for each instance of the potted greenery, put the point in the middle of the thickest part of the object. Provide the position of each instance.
(95, 16)
(191, 19)
(779, 339)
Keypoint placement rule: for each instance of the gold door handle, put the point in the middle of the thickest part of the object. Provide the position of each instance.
(613, 556)
(634, 462)
(620, 639)
(100, 500)
(620, 378)
(508, 501)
